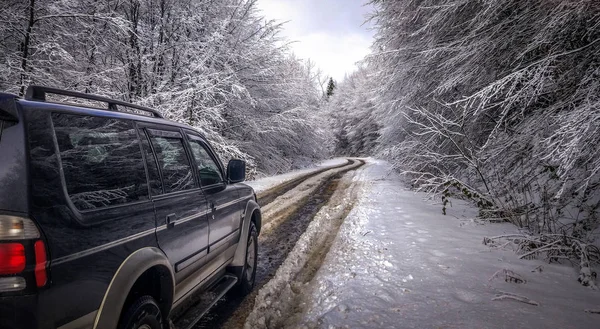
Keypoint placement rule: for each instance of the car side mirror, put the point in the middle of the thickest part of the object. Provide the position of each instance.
(236, 171)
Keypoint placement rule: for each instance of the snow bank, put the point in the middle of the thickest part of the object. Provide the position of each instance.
(266, 183)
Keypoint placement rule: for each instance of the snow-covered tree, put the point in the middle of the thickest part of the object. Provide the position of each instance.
(218, 66)
(354, 120)
(494, 101)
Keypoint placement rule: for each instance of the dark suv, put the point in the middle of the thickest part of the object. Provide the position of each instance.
(112, 216)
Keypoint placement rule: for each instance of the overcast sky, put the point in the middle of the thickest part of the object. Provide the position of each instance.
(330, 32)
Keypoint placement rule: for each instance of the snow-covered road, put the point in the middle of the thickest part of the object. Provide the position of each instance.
(288, 207)
(262, 184)
(397, 262)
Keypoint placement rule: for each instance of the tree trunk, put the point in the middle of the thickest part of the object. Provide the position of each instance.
(25, 46)
(135, 65)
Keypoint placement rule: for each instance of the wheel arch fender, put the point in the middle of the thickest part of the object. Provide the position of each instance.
(252, 209)
(125, 277)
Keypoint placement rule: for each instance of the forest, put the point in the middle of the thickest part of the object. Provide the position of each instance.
(216, 65)
(495, 101)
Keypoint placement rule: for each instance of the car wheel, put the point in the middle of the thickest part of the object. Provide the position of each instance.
(142, 314)
(249, 272)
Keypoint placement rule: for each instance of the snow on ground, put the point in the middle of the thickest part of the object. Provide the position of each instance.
(265, 183)
(276, 212)
(397, 262)
(279, 295)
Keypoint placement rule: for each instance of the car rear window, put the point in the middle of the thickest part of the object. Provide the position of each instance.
(101, 160)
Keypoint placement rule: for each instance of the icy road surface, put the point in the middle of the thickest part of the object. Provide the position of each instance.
(397, 262)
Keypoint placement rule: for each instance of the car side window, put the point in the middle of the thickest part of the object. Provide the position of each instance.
(101, 160)
(151, 164)
(172, 160)
(208, 170)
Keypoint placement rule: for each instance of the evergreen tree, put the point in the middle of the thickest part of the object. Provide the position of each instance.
(330, 87)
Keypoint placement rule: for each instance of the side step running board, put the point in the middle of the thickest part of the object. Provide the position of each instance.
(191, 316)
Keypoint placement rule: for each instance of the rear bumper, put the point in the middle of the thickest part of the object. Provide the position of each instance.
(19, 312)
(22, 312)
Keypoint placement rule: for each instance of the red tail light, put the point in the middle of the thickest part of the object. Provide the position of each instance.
(40, 263)
(12, 254)
(12, 258)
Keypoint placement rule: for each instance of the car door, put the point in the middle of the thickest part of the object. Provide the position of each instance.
(180, 205)
(223, 199)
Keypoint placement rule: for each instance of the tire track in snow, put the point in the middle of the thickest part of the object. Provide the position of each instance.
(285, 219)
(281, 299)
(271, 194)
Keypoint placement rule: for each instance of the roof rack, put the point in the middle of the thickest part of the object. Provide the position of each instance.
(38, 93)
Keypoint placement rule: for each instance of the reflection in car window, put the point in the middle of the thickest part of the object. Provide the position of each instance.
(173, 162)
(151, 163)
(101, 159)
(207, 168)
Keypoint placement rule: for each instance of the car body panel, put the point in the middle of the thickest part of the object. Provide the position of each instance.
(125, 277)
(94, 255)
(82, 261)
(186, 238)
(224, 219)
(251, 213)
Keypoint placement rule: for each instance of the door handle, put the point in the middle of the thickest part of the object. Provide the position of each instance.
(171, 219)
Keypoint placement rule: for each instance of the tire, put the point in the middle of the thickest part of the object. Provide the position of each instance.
(249, 271)
(144, 313)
